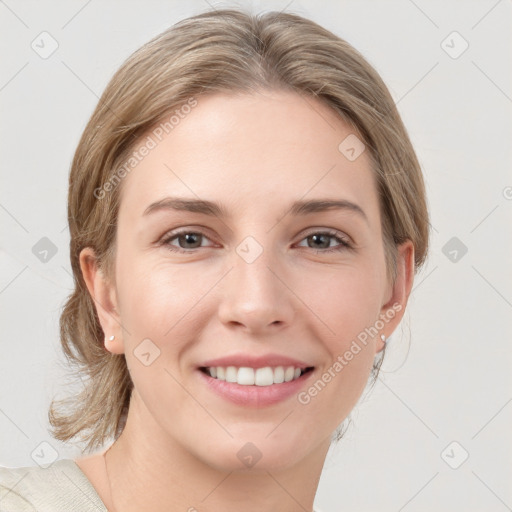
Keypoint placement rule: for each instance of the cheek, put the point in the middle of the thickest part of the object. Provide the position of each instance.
(156, 301)
(335, 390)
(347, 304)
(161, 310)
(346, 301)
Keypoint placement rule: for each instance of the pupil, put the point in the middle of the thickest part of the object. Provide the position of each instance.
(317, 237)
(189, 238)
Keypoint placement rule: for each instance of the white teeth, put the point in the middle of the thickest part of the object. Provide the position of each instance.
(264, 376)
(279, 375)
(231, 374)
(246, 376)
(289, 374)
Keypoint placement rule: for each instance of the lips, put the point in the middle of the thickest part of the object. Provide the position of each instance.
(255, 381)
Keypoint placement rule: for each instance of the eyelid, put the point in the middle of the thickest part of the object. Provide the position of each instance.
(171, 235)
(328, 231)
(345, 242)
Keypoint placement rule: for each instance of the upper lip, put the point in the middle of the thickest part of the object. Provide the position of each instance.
(245, 360)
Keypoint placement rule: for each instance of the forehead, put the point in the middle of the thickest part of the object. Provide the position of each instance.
(251, 150)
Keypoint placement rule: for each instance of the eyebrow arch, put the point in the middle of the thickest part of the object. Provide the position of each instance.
(298, 208)
(321, 205)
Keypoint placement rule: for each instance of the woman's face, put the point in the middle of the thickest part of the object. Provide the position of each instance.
(250, 270)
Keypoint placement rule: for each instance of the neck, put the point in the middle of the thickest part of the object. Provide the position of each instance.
(149, 471)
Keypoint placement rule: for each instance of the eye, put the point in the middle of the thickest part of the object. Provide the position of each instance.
(321, 240)
(186, 240)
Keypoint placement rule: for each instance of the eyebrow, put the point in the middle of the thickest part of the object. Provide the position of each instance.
(298, 208)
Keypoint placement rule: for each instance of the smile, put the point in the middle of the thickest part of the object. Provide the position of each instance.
(247, 376)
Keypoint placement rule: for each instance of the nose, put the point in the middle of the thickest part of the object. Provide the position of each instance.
(256, 296)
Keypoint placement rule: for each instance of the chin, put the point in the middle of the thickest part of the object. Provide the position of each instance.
(257, 452)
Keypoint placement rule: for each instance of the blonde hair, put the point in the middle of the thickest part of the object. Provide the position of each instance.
(218, 51)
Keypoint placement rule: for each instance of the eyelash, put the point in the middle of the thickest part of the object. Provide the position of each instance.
(343, 243)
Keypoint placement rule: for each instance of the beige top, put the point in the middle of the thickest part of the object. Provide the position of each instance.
(62, 487)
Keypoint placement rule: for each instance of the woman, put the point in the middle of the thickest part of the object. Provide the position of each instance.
(247, 215)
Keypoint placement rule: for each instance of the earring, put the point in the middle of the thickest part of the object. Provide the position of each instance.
(111, 338)
(383, 338)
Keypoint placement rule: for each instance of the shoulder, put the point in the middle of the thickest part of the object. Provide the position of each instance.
(58, 487)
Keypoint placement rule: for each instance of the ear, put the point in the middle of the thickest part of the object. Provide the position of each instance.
(394, 308)
(103, 294)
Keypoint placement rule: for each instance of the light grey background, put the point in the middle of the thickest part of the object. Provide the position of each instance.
(447, 373)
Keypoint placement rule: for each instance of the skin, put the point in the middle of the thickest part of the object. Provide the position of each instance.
(256, 154)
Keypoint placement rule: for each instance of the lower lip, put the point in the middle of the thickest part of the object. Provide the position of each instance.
(255, 396)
